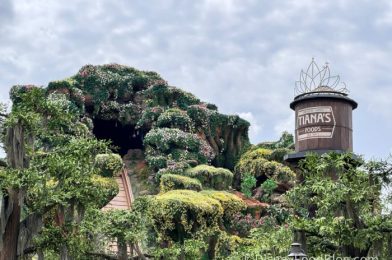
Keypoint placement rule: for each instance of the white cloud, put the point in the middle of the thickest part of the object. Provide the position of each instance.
(287, 124)
(242, 55)
(255, 128)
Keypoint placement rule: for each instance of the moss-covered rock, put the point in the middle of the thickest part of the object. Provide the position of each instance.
(211, 177)
(178, 182)
(144, 101)
(227, 134)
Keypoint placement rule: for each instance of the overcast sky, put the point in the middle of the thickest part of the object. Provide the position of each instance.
(242, 55)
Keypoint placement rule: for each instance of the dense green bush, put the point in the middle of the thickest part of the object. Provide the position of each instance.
(175, 118)
(178, 182)
(231, 204)
(259, 163)
(279, 153)
(211, 177)
(109, 164)
(149, 116)
(107, 187)
(248, 183)
(164, 95)
(166, 144)
(181, 214)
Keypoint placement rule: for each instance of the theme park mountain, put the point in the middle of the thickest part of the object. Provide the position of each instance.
(114, 163)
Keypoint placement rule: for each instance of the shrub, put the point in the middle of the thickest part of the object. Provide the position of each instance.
(257, 154)
(175, 182)
(60, 85)
(109, 164)
(257, 162)
(248, 183)
(180, 214)
(175, 118)
(278, 154)
(149, 116)
(102, 185)
(166, 144)
(268, 187)
(164, 95)
(211, 177)
(173, 167)
(231, 204)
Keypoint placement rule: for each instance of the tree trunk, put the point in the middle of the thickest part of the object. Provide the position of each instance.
(11, 232)
(213, 241)
(389, 248)
(16, 156)
(40, 255)
(139, 252)
(64, 253)
(122, 249)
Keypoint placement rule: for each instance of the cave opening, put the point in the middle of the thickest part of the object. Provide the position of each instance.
(124, 137)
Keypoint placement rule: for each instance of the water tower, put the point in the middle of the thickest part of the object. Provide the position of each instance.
(323, 114)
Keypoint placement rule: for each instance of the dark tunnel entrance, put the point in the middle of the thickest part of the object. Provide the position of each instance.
(125, 137)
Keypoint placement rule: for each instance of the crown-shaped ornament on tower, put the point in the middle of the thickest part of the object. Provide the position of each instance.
(319, 80)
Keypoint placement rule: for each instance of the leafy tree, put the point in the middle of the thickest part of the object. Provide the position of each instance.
(126, 227)
(51, 177)
(338, 206)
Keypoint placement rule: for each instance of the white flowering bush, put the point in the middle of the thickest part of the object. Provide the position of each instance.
(174, 144)
(175, 118)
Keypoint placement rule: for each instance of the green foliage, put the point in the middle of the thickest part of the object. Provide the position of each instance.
(211, 177)
(248, 183)
(241, 224)
(190, 249)
(347, 203)
(165, 144)
(129, 226)
(268, 187)
(258, 153)
(258, 163)
(231, 204)
(175, 118)
(181, 214)
(166, 140)
(285, 141)
(109, 164)
(268, 240)
(60, 180)
(103, 189)
(177, 182)
(279, 153)
(211, 121)
(163, 95)
(69, 173)
(149, 117)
